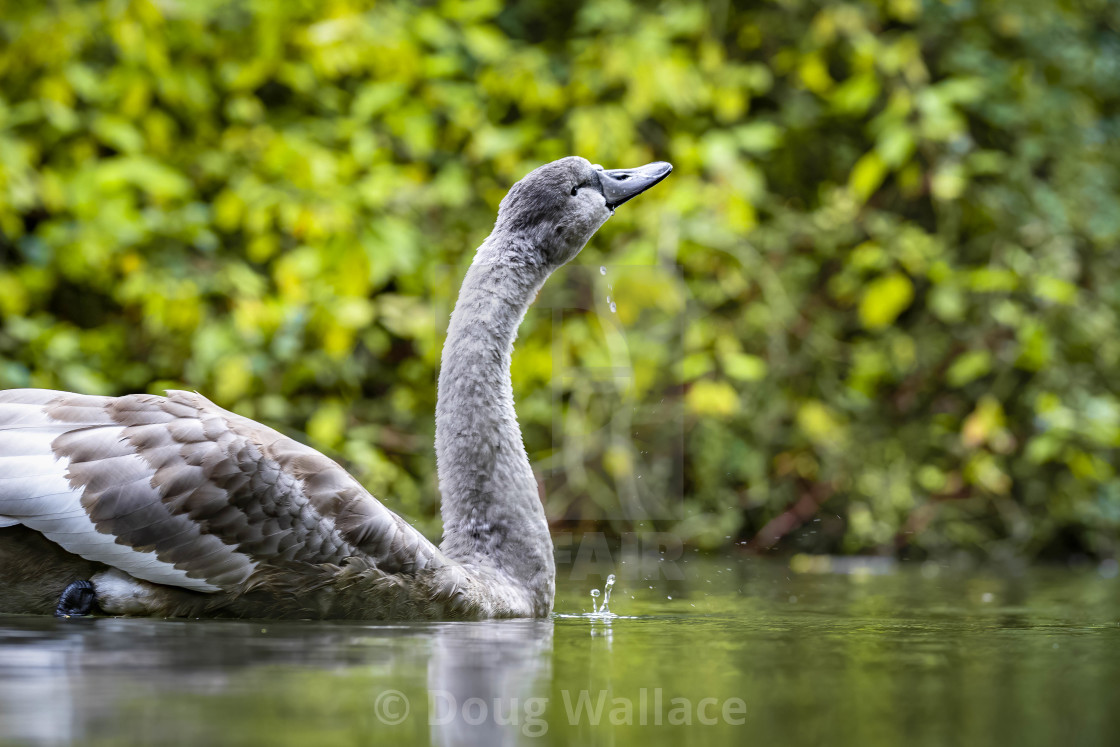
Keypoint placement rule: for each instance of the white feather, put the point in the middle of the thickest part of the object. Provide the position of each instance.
(27, 467)
(29, 440)
(35, 492)
(21, 415)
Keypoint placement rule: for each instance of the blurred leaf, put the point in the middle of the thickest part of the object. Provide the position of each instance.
(867, 175)
(820, 423)
(969, 367)
(712, 398)
(884, 299)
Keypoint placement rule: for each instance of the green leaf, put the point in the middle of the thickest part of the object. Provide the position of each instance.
(884, 299)
(744, 367)
(712, 398)
(867, 175)
(821, 423)
(968, 367)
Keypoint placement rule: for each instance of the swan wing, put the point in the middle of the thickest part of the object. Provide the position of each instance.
(176, 490)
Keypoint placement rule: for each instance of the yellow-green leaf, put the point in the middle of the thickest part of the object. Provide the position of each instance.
(867, 175)
(708, 397)
(884, 299)
(744, 367)
(820, 423)
(969, 367)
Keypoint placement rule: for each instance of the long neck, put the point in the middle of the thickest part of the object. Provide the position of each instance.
(492, 514)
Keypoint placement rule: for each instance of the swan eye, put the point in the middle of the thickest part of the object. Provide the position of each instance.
(575, 191)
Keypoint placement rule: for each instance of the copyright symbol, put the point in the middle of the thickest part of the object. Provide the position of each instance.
(391, 707)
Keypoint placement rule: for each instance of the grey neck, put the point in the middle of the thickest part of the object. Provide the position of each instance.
(492, 514)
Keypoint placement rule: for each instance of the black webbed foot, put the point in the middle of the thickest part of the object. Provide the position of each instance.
(76, 600)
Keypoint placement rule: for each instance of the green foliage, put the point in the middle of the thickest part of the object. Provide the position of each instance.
(888, 247)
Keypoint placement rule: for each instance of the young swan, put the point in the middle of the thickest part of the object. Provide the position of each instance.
(172, 506)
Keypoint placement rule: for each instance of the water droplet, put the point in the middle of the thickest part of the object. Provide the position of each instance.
(604, 609)
(602, 270)
(613, 307)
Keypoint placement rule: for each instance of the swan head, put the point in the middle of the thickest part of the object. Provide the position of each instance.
(555, 210)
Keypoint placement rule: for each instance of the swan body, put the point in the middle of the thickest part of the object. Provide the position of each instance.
(173, 506)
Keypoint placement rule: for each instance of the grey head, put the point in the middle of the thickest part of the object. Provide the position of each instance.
(554, 210)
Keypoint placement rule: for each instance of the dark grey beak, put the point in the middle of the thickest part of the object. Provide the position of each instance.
(619, 185)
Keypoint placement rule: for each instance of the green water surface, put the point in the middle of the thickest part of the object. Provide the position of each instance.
(748, 652)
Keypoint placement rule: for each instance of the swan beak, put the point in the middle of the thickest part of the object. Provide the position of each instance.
(619, 185)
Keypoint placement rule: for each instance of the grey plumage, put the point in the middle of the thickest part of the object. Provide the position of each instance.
(178, 507)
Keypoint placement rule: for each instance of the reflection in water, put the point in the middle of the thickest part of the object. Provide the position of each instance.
(904, 657)
(62, 681)
(36, 698)
(487, 681)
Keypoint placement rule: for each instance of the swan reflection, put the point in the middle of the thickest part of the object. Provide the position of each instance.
(483, 683)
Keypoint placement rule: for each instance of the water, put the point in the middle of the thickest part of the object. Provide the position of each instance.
(599, 610)
(613, 306)
(860, 655)
(605, 607)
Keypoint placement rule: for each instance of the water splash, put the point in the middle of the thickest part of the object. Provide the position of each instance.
(601, 613)
(603, 610)
(602, 270)
(613, 307)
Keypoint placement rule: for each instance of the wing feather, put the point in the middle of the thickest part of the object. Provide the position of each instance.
(178, 491)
